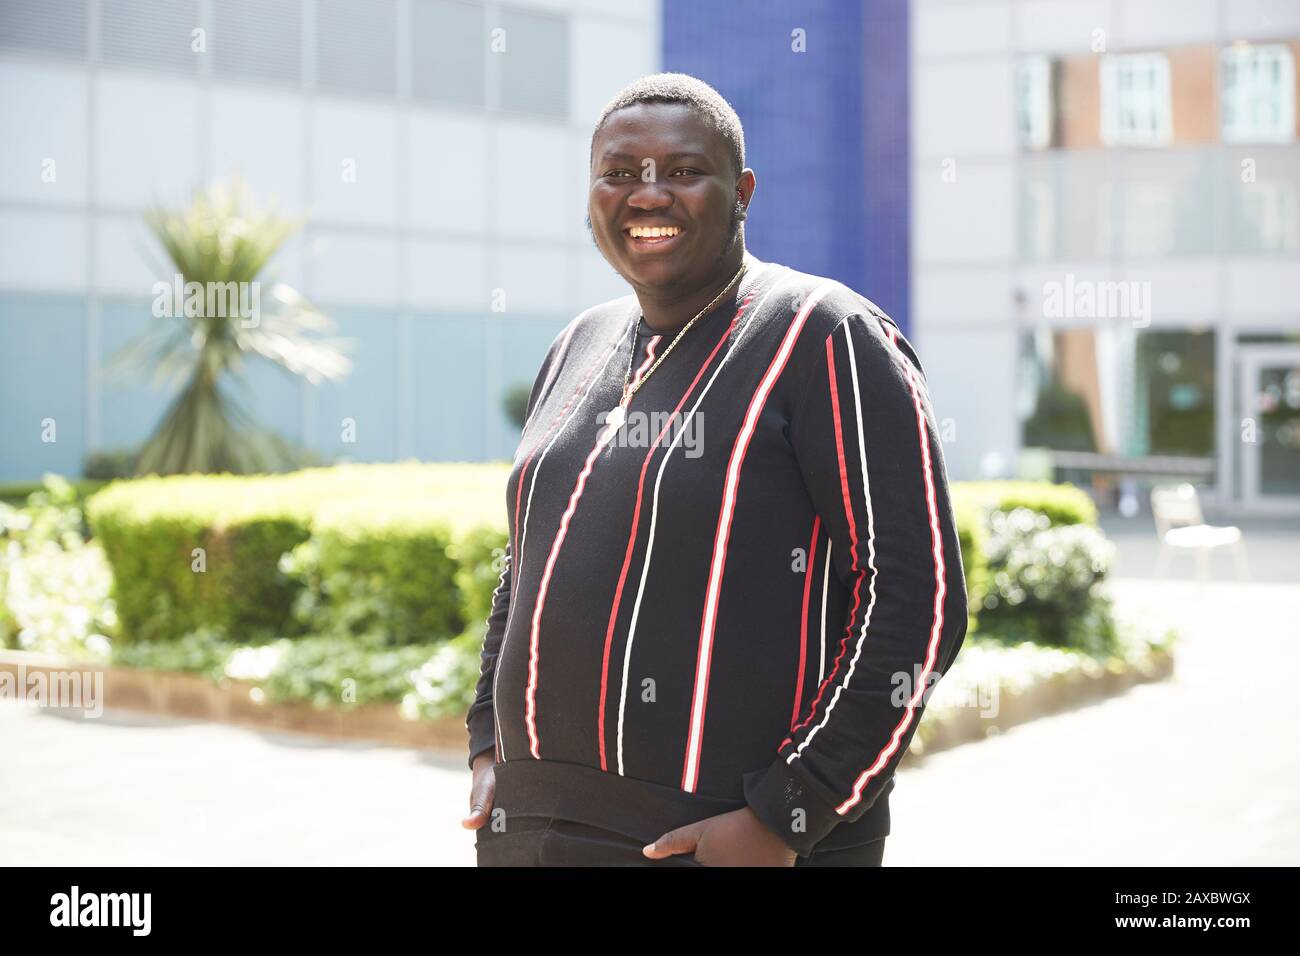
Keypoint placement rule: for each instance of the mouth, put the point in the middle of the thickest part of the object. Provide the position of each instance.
(653, 238)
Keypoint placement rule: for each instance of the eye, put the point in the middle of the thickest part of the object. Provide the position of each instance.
(687, 170)
(617, 172)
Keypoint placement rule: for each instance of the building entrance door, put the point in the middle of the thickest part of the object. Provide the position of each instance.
(1270, 429)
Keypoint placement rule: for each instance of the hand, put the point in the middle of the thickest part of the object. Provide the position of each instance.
(738, 838)
(481, 791)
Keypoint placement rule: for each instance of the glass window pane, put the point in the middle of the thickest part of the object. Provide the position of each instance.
(535, 64)
(1066, 204)
(45, 26)
(258, 39)
(154, 34)
(1119, 391)
(449, 43)
(1258, 93)
(356, 46)
(1277, 401)
(1263, 200)
(1167, 205)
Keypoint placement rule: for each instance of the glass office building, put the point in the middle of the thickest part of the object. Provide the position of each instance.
(1106, 202)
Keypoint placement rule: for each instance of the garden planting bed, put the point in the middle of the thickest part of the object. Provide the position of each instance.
(947, 724)
(196, 697)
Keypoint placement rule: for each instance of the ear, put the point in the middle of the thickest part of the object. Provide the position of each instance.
(745, 186)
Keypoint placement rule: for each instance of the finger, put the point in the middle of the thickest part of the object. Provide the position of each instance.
(480, 802)
(682, 840)
(476, 817)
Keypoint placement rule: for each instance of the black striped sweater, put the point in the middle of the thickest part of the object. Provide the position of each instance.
(741, 596)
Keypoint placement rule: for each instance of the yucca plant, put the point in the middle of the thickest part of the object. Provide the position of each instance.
(224, 237)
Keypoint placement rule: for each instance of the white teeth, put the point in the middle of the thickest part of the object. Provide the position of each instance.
(653, 232)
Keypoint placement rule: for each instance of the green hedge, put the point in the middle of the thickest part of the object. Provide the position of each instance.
(395, 584)
(393, 550)
(164, 587)
(479, 555)
(1062, 504)
(16, 493)
(1045, 583)
(975, 503)
(971, 535)
(400, 553)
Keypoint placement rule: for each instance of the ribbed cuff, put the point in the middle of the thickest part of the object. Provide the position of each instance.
(789, 807)
(482, 733)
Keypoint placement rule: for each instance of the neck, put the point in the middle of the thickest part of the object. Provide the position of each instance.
(670, 311)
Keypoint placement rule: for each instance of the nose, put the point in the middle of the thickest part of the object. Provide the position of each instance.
(650, 195)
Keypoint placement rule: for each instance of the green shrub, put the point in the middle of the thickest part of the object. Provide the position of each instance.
(480, 557)
(393, 546)
(54, 586)
(336, 671)
(1044, 583)
(397, 585)
(110, 463)
(1060, 420)
(180, 573)
(427, 680)
(515, 403)
(1061, 504)
(444, 685)
(19, 493)
(978, 505)
(199, 652)
(970, 520)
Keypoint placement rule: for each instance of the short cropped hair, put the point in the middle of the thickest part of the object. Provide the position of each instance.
(690, 91)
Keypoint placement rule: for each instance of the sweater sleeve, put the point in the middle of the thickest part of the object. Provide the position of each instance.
(480, 720)
(868, 447)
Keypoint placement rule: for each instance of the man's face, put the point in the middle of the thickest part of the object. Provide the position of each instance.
(661, 165)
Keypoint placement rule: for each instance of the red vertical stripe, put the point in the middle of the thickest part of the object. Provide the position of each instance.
(636, 518)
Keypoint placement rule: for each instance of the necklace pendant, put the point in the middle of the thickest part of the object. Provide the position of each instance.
(613, 422)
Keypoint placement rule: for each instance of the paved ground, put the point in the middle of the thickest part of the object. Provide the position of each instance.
(1201, 769)
(1272, 545)
(138, 790)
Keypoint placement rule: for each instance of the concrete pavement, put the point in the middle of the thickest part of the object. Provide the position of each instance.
(1201, 769)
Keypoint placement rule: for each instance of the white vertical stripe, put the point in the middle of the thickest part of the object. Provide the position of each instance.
(707, 626)
(501, 755)
(871, 548)
(940, 590)
(496, 721)
(826, 577)
(654, 509)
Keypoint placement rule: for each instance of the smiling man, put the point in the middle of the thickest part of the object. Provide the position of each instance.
(717, 659)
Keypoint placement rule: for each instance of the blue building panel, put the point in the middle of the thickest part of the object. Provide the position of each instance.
(131, 403)
(822, 91)
(448, 388)
(357, 418)
(43, 385)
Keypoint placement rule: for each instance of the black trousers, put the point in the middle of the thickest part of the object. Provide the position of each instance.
(542, 841)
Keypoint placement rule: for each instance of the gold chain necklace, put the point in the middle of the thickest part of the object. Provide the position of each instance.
(616, 415)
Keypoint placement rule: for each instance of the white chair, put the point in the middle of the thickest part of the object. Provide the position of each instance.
(1181, 527)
